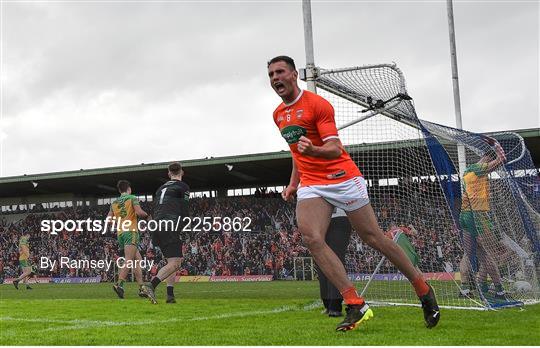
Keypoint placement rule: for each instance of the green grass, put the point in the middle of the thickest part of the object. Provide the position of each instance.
(266, 313)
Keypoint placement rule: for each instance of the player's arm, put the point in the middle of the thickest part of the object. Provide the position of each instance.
(138, 210)
(184, 209)
(140, 213)
(295, 178)
(331, 148)
(109, 219)
(290, 190)
(501, 157)
(326, 127)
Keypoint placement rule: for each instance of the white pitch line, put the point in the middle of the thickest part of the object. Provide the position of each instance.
(246, 314)
(36, 320)
(78, 324)
(57, 321)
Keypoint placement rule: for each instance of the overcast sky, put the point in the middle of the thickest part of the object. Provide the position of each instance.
(95, 83)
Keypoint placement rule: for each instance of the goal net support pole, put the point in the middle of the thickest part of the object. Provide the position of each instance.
(308, 44)
(455, 82)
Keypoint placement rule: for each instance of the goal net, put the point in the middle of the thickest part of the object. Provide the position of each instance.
(475, 255)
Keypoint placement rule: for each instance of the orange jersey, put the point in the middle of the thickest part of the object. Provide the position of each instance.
(312, 116)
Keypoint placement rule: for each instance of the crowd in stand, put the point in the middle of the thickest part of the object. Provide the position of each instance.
(268, 246)
(75, 245)
(421, 207)
(266, 242)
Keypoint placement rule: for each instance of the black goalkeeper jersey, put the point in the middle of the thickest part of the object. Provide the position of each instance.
(171, 200)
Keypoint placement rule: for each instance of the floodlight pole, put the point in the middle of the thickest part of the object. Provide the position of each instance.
(308, 43)
(455, 82)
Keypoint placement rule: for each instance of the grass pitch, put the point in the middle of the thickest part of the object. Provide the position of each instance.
(266, 313)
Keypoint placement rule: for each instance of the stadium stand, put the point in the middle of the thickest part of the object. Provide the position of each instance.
(269, 248)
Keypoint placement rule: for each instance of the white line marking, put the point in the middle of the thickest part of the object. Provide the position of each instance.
(58, 321)
(78, 324)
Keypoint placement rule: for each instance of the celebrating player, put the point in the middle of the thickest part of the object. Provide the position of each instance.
(126, 209)
(475, 221)
(24, 262)
(323, 175)
(171, 201)
(337, 238)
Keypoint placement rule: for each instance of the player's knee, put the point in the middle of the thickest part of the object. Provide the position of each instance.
(374, 240)
(176, 263)
(313, 242)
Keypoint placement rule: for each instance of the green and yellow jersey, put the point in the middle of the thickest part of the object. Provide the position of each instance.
(24, 252)
(476, 185)
(474, 217)
(123, 208)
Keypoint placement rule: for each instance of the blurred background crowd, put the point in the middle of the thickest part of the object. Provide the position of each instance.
(270, 247)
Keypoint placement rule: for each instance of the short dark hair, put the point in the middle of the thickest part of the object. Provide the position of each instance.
(175, 168)
(123, 185)
(286, 59)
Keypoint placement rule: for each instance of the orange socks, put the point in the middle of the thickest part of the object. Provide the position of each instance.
(420, 286)
(351, 297)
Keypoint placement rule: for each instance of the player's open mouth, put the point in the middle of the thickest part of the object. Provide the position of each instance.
(279, 87)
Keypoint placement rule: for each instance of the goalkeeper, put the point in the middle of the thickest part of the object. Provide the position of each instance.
(171, 204)
(337, 238)
(475, 221)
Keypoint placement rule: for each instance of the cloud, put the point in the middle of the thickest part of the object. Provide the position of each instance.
(116, 128)
(103, 84)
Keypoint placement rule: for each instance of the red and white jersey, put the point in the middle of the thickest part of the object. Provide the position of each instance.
(312, 116)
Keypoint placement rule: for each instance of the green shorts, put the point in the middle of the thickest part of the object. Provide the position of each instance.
(25, 263)
(128, 238)
(475, 222)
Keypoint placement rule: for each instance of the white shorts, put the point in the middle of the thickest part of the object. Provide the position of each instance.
(348, 195)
